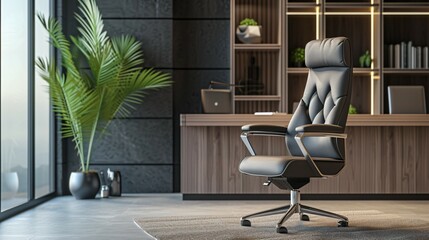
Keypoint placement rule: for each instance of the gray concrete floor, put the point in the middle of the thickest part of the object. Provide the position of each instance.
(112, 218)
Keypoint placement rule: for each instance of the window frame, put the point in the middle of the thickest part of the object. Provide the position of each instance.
(31, 200)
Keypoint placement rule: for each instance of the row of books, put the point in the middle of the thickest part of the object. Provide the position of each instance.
(405, 55)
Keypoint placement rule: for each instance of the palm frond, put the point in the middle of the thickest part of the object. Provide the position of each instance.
(137, 86)
(59, 41)
(85, 102)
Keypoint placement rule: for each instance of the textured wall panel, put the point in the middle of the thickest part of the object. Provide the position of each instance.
(188, 85)
(156, 104)
(201, 9)
(136, 8)
(136, 141)
(155, 35)
(143, 179)
(201, 44)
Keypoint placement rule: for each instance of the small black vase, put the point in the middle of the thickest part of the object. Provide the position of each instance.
(84, 185)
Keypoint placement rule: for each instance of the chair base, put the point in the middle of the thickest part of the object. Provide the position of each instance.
(289, 210)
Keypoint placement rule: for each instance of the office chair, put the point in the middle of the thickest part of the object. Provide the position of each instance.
(315, 135)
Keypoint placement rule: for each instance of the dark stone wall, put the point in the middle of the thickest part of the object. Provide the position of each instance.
(200, 55)
(190, 40)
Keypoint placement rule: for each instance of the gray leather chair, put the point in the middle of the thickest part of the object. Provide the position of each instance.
(315, 135)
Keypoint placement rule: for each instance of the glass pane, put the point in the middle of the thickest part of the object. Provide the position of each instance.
(14, 101)
(43, 166)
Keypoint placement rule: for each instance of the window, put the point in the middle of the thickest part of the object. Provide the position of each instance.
(25, 127)
(42, 121)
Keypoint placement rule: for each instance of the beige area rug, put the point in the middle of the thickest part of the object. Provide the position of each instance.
(362, 225)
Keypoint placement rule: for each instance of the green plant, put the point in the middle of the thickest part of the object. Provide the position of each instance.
(352, 109)
(87, 101)
(298, 55)
(365, 60)
(248, 22)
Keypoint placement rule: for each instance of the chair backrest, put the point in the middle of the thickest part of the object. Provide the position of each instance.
(326, 96)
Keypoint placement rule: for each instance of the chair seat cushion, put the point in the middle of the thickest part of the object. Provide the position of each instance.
(288, 166)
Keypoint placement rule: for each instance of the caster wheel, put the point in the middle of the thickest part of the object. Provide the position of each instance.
(305, 217)
(282, 230)
(343, 224)
(245, 223)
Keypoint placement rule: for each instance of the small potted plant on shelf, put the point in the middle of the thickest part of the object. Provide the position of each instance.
(249, 31)
(86, 101)
(365, 60)
(298, 57)
(352, 109)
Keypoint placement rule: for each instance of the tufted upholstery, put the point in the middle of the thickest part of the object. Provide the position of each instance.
(325, 101)
(332, 52)
(326, 96)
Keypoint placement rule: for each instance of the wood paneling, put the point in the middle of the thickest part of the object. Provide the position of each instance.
(379, 160)
(355, 28)
(264, 12)
(256, 106)
(266, 61)
(295, 89)
(283, 119)
(361, 94)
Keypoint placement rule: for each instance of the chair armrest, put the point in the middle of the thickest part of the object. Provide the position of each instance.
(320, 128)
(257, 129)
(316, 130)
(264, 130)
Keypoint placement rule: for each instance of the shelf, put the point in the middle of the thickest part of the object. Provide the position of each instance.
(265, 12)
(347, 1)
(303, 5)
(405, 71)
(404, 9)
(405, 5)
(282, 119)
(350, 5)
(350, 9)
(364, 70)
(266, 46)
(370, 25)
(267, 72)
(256, 98)
(295, 70)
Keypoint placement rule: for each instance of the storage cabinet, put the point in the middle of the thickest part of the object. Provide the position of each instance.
(371, 25)
(256, 71)
(405, 23)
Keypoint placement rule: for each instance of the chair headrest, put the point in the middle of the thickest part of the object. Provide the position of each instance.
(329, 52)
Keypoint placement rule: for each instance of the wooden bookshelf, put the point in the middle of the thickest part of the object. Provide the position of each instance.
(369, 24)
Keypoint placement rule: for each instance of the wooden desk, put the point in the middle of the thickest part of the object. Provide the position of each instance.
(386, 154)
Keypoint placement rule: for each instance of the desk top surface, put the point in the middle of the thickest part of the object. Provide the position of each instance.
(187, 120)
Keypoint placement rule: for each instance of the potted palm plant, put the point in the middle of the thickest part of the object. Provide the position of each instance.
(87, 101)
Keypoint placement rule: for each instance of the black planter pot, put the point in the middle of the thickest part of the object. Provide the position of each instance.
(84, 185)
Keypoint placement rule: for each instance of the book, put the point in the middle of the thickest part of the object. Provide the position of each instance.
(397, 56)
(425, 57)
(413, 57)
(409, 58)
(403, 55)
